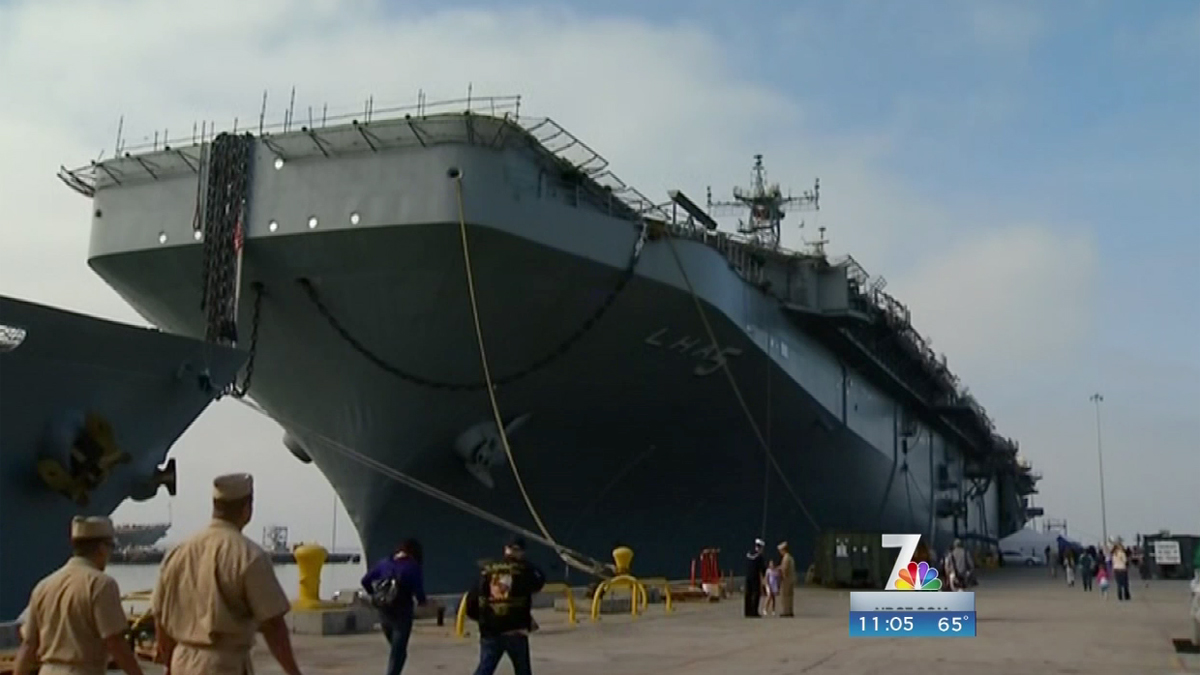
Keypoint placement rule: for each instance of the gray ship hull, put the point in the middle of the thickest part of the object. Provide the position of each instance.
(141, 381)
(631, 435)
(625, 442)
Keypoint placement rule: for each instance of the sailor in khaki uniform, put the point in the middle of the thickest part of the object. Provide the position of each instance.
(217, 590)
(75, 620)
(788, 581)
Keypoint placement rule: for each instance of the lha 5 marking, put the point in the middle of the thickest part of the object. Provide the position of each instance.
(697, 348)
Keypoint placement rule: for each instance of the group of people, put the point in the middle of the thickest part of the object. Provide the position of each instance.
(215, 592)
(958, 567)
(1093, 565)
(767, 580)
(500, 601)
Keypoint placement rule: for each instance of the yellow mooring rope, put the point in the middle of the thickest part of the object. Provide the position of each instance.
(487, 376)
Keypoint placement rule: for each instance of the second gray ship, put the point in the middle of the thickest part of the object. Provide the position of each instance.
(88, 410)
(333, 252)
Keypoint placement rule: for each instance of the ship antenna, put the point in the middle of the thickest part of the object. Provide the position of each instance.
(766, 204)
(818, 246)
(120, 130)
(262, 113)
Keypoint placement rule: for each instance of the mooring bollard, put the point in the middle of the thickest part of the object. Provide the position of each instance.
(309, 560)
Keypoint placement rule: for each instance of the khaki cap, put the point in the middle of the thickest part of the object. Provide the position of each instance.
(233, 486)
(95, 527)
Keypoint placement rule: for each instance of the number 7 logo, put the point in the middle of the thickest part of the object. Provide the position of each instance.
(907, 543)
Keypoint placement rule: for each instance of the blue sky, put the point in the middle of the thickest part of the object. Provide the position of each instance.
(1025, 174)
(1084, 111)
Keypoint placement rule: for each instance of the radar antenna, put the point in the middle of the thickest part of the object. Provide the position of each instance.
(767, 206)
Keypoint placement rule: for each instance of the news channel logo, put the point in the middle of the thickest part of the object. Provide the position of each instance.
(908, 575)
(906, 608)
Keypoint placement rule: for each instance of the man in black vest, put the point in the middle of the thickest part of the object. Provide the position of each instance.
(756, 567)
(501, 601)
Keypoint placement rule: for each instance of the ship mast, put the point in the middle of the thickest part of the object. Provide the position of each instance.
(766, 204)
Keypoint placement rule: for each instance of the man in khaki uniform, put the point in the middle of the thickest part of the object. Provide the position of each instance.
(75, 620)
(216, 590)
(787, 582)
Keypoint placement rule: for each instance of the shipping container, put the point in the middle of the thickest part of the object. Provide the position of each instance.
(853, 560)
(1182, 568)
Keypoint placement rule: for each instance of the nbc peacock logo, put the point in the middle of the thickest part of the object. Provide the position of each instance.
(918, 577)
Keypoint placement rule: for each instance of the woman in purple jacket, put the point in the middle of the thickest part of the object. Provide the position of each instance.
(404, 570)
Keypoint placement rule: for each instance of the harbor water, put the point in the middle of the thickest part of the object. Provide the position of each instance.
(133, 578)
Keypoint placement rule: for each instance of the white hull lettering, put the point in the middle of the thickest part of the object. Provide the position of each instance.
(693, 347)
(653, 339)
(715, 364)
(684, 344)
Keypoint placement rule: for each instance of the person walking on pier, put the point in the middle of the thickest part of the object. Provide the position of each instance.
(393, 584)
(216, 590)
(501, 601)
(960, 567)
(1087, 568)
(787, 580)
(772, 577)
(756, 568)
(1069, 566)
(75, 620)
(1120, 566)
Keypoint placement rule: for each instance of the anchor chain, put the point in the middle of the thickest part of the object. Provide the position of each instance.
(553, 355)
(226, 193)
(234, 389)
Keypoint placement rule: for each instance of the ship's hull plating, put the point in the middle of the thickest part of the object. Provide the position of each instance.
(633, 436)
(141, 381)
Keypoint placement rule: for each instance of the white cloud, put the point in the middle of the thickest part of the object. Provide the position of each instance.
(659, 101)
(1022, 292)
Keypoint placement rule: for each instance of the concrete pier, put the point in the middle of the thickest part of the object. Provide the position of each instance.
(1027, 623)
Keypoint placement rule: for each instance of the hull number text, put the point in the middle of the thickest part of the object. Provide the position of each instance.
(693, 347)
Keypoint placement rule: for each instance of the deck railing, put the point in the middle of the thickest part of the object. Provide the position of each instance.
(205, 131)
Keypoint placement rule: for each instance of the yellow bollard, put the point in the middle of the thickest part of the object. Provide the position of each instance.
(623, 559)
(665, 585)
(555, 587)
(309, 559)
(460, 623)
(638, 597)
(571, 607)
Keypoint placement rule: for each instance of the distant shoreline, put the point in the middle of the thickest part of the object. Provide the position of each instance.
(154, 556)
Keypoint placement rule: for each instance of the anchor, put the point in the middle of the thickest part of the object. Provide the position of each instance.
(162, 476)
(481, 450)
(92, 456)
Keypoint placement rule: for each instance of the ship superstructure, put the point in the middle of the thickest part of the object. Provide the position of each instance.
(336, 253)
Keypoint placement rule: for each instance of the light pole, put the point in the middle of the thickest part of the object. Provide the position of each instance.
(333, 544)
(1098, 399)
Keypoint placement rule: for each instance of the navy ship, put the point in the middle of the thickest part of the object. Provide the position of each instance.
(658, 382)
(144, 535)
(88, 411)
